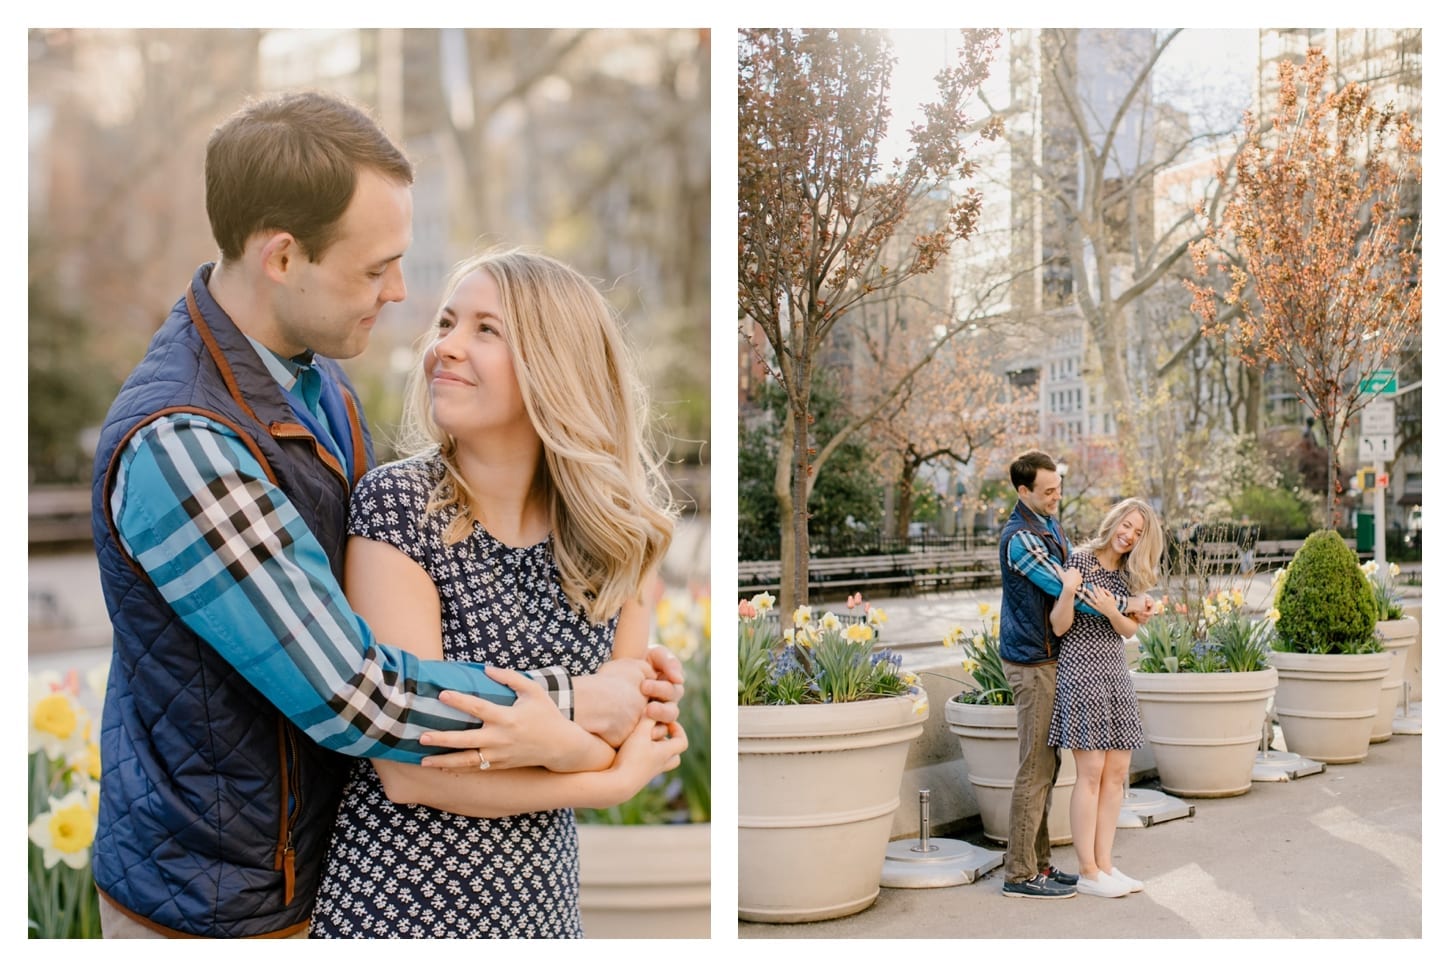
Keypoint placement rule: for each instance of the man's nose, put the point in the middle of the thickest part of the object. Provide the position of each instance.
(394, 288)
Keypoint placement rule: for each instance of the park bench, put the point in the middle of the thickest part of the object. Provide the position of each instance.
(753, 577)
(858, 573)
(1275, 554)
(935, 570)
(868, 572)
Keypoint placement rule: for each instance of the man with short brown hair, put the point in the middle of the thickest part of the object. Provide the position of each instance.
(240, 677)
(1033, 553)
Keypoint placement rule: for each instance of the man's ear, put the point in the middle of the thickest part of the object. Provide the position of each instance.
(279, 251)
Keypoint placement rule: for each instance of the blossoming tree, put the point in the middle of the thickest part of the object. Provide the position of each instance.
(818, 206)
(1320, 245)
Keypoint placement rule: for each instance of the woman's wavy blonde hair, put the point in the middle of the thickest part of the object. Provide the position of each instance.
(1141, 566)
(609, 505)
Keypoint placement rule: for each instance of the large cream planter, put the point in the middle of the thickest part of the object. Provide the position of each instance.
(988, 737)
(1398, 635)
(1326, 704)
(645, 881)
(1204, 728)
(819, 785)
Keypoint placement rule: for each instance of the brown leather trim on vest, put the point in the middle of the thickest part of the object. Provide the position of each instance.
(178, 935)
(217, 355)
(284, 826)
(359, 445)
(110, 483)
(296, 431)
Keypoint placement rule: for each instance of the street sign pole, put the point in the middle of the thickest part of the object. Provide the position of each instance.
(1379, 517)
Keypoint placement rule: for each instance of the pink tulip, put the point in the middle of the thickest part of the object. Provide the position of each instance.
(747, 610)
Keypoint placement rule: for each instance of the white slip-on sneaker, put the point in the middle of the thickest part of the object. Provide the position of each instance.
(1104, 886)
(1134, 886)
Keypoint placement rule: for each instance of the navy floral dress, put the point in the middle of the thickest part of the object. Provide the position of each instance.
(415, 871)
(1095, 706)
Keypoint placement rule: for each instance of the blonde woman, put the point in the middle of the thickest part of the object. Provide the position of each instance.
(1095, 710)
(520, 535)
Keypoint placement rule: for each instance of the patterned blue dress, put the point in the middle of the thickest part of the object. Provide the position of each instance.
(1095, 706)
(415, 871)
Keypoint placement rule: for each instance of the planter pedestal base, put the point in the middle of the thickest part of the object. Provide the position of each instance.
(1411, 723)
(1149, 807)
(1275, 766)
(944, 862)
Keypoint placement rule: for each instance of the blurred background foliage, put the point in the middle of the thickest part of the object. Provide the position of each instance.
(590, 145)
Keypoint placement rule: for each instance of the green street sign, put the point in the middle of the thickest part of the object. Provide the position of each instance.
(1380, 381)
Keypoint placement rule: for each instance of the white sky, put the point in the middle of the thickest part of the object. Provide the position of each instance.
(1217, 65)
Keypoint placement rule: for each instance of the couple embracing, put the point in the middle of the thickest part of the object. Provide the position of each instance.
(296, 630)
(1064, 617)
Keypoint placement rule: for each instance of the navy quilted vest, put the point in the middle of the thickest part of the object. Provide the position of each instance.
(215, 810)
(1027, 637)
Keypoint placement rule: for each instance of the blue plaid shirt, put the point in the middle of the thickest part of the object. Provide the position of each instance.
(1029, 557)
(230, 554)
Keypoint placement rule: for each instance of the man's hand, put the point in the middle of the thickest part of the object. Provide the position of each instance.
(610, 701)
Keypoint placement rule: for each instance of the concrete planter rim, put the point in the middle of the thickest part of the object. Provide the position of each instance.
(1290, 661)
(1205, 682)
(834, 718)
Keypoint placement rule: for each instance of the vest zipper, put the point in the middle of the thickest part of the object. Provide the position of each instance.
(290, 807)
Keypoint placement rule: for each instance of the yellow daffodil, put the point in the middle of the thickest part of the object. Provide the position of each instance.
(920, 706)
(860, 632)
(763, 601)
(1370, 567)
(996, 625)
(829, 622)
(1394, 570)
(979, 639)
(969, 666)
(789, 636)
(983, 608)
(66, 831)
(96, 678)
(910, 679)
(802, 616)
(1273, 614)
(1238, 598)
(88, 761)
(876, 617)
(57, 720)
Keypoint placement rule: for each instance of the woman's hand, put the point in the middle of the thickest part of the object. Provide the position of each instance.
(1071, 580)
(1102, 600)
(642, 757)
(530, 732)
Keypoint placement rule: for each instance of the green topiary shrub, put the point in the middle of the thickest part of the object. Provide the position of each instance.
(1326, 605)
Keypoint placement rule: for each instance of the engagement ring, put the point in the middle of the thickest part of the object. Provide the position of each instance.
(482, 762)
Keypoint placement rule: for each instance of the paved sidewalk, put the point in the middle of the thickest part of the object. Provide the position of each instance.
(1334, 855)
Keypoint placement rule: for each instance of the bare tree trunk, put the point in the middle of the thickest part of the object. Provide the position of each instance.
(784, 461)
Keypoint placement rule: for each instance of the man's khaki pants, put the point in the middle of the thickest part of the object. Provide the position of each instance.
(1029, 847)
(115, 925)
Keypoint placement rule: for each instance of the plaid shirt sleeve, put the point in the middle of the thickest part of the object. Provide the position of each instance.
(1029, 557)
(230, 554)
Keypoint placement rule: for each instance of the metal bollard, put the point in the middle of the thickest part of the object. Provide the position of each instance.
(923, 798)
